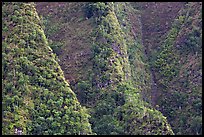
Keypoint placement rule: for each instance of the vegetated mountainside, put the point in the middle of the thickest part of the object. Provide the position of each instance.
(125, 62)
(119, 108)
(68, 17)
(184, 76)
(68, 32)
(156, 18)
(108, 89)
(175, 60)
(36, 99)
(130, 23)
(147, 29)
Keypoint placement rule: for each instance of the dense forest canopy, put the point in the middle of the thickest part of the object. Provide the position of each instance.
(102, 68)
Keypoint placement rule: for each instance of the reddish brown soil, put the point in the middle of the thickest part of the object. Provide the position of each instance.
(157, 18)
(74, 32)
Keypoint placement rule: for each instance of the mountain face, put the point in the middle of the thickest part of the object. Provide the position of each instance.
(135, 67)
(36, 97)
(175, 55)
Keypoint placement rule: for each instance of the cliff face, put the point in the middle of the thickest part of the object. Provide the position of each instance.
(36, 97)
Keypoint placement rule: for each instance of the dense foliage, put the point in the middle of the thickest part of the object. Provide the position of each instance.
(119, 108)
(106, 68)
(130, 23)
(36, 97)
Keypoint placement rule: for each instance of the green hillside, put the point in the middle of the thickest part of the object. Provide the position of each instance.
(36, 97)
(173, 40)
(178, 67)
(104, 68)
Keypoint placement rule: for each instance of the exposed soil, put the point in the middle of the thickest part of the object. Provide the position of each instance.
(157, 18)
(74, 32)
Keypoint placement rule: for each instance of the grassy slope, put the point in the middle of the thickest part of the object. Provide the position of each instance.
(36, 97)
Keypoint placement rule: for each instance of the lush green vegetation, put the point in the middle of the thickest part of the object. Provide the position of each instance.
(85, 68)
(119, 108)
(140, 74)
(177, 67)
(36, 97)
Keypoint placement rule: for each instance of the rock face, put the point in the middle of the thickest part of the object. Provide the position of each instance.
(37, 100)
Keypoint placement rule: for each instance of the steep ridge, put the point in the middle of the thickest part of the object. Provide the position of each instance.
(156, 18)
(36, 99)
(130, 23)
(68, 33)
(126, 62)
(175, 60)
(114, 104)
(185, 88)
(116, 110)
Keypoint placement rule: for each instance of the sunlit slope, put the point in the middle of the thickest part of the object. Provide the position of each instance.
(36, 99)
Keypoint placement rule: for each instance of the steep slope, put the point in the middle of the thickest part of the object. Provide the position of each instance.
(36, 99)
(68, 32)
(156, 19)
(182, 80)
(130, 23)
(174, 49)
(113, 95)
(114, 56)
(106, 88)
